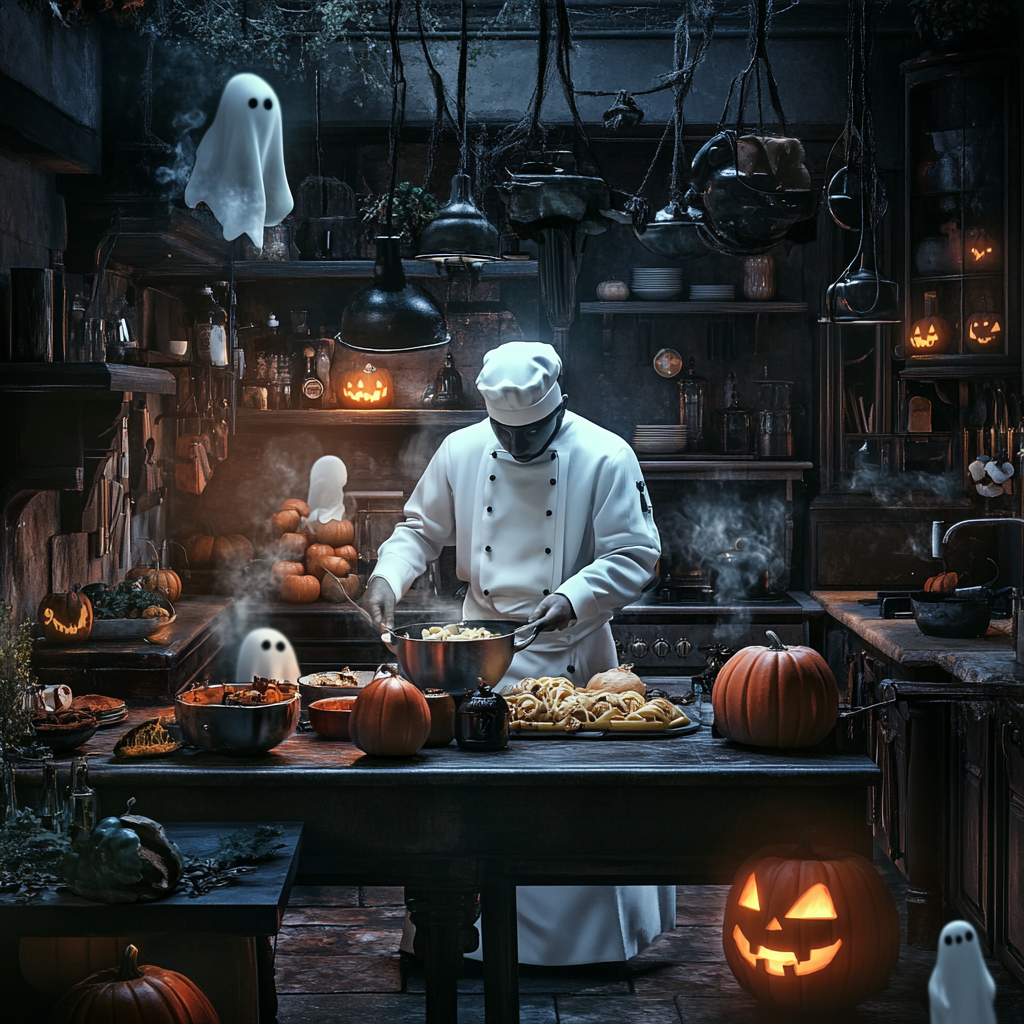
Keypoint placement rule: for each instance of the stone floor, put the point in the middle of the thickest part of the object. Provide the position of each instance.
(338, 961)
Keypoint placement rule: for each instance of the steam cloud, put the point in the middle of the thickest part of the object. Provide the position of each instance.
(176, 173)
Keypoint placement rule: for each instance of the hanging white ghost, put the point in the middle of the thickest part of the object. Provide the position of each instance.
(268, 654)
(960, 990)
(327, 481)
(239, 169)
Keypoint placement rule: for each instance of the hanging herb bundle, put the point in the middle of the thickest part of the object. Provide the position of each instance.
(16, 680)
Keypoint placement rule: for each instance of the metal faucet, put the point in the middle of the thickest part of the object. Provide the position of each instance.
(940, 540)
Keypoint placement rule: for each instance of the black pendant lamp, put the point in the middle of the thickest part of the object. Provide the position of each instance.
(390, 314)
(460, 233)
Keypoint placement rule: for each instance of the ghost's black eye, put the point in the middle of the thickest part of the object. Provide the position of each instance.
(959, 939)
(253, 102)
(280, 645)
(265, 645)
(969, 936)
(267, 104)
(949, 940)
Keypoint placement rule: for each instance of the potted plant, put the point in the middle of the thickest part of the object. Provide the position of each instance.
(16, 682)
(412, 210)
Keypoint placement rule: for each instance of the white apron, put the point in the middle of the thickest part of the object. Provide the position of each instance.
(514, 539)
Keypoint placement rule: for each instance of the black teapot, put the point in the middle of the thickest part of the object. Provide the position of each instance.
(481, 722)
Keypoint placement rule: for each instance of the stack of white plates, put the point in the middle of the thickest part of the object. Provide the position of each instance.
(712, 292)
(659, 438)
(108, 710)
(656, 284)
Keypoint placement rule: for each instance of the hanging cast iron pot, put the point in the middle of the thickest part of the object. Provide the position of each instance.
(673, 233)
(460, 232)
(751, 190)
(862, 294)
(390, 314)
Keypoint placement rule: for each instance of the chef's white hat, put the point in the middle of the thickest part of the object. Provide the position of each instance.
(519, 382)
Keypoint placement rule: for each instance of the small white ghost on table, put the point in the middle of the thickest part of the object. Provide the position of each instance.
(961, 991)
(239, 170)
(266, 653)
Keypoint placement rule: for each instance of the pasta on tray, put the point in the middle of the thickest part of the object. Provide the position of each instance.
(555, 705)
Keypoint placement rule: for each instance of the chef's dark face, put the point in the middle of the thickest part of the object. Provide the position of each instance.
(527, 442)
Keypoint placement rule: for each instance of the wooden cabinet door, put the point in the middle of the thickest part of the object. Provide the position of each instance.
(971, 884)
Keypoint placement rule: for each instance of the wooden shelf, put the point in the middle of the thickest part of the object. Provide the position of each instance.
(84, 380)
(260, 270)
(964, 370)
(694, 308)
(721, 469)
(983, 275)
(254, 419)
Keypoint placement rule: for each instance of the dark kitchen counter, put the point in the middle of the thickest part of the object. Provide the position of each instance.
(989, 659)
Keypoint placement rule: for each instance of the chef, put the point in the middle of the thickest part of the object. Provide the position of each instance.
(552, 525)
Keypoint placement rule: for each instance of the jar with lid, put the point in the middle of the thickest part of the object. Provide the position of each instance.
(481, 721)
(210, 330)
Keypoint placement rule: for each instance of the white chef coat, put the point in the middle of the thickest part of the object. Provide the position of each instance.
(575, 521)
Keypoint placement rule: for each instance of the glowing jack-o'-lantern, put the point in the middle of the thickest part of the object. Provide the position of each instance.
(810, 930)
(984, 332)
(981, 251)
(65, 618)
(366, 388)
(932, 334)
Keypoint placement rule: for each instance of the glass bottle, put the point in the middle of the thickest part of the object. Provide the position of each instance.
(211, 338)
(49, 810)
(312, 389)
(84, 803)
(323, 367)
(693, 392)
(8, 790)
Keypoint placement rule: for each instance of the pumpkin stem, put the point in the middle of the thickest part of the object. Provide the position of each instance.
(385, 667)
(776, 644)
(131, 804)
(130, 964)
(803, 845)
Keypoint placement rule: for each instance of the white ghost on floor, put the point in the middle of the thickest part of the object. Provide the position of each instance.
(961, 991)
(327, 481)
(239, 170)
(268, 654)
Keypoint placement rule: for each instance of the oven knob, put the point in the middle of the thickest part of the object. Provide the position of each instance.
(619, 649)
(661, 648)
(683, 648)
(638, 649)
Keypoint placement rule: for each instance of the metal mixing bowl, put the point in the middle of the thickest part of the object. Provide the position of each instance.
(456, 665)
(210, 725)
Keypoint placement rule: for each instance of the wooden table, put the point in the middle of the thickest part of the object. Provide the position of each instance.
(250, 908)
(449, 824)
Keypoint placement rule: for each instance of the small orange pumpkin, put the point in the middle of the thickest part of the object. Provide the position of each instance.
(279, 570)
(131, 993)
(157, 581)
(776, 696)
(292, 546)
(315, 554)
(366, 388)
(810, 930)
(65, 618)
(232, 549)
(296, 505)
(285, 522)
(336, 566)
(985, 332)
(335, 532)
(299, 589)
(347, 552)
(390, 718)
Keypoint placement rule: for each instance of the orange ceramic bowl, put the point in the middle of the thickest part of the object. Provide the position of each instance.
(329, 717)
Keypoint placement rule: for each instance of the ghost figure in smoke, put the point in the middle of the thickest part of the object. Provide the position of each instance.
(239, 170)
(961, 991)
(326, 499)
(268, 654)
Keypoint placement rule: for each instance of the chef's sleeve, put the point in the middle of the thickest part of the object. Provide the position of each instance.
(429, 525)
(626, 542)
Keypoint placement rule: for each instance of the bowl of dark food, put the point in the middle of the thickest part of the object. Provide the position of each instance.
(951, 617)
(65, 730)
(244, 718)
(344, 682)
(454, 656)
(329, 718)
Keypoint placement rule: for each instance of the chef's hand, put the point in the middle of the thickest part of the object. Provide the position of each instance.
(379, 600)
(554, 612)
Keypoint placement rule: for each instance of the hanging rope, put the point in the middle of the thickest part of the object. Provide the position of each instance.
(442, 113)
(397, 106)
(461, 94)
(757, 43)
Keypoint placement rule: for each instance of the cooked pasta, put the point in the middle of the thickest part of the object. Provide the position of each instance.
(455, 631)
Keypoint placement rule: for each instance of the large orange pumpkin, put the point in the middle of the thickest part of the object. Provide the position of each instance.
(299, 589)
(776, 696)
(65, 618)
(335, 532)
(157, 581)
(810, 930)
(232, 549)
(366, 388)
(130, 994)
(390, 717)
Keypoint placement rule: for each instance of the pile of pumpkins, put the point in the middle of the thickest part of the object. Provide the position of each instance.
(306, 553)
(205, 551)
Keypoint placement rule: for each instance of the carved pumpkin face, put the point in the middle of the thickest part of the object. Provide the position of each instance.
(810, 930)
(981, 251)
(985, 332)
(366, 388)
(930, 335)
(65, 618)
